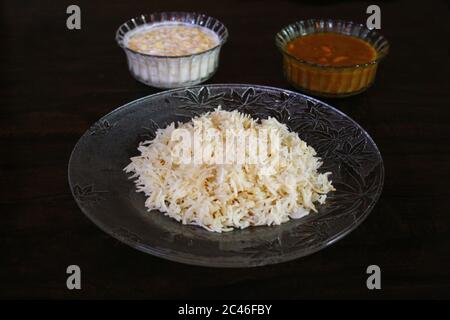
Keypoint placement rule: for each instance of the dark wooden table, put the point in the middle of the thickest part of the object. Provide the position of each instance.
(57, 82)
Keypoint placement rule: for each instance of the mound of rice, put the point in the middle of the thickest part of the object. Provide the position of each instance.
(221, 197)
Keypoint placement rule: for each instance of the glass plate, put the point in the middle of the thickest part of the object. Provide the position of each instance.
(105, 194)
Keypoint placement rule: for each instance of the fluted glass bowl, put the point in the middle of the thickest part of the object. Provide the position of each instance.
(172, 71)
(326, 80)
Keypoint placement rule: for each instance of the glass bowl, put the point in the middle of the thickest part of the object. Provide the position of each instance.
(325, 80)
(172, 71)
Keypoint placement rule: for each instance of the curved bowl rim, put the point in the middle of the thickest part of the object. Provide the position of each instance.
(222, 40)
(380, 54)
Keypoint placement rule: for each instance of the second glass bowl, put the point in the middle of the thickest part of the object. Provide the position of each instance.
(326, 80)
(172, 71)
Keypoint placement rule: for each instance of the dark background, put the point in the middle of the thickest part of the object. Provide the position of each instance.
(55, 83)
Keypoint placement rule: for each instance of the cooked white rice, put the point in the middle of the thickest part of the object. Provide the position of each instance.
(220, 197)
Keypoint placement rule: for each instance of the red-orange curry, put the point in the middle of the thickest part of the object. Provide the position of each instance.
(330, 64)
(332, 49)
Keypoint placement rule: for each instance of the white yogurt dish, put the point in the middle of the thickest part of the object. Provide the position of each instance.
(172, 49)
